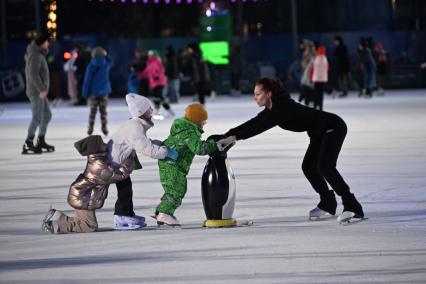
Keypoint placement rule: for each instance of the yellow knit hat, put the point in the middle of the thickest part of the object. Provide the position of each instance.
(196, 113)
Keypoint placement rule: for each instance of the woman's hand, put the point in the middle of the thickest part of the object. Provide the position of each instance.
(222, 144)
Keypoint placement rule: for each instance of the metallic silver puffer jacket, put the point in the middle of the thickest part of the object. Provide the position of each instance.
(90, 189)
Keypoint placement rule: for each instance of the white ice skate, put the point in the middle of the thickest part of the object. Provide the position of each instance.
(348, 217)
(316, 213)
(165, 219)
(128, 223)
(49, 223)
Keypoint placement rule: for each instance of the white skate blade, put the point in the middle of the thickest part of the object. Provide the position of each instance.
(158, 117)
(345, 217)
(128, 227)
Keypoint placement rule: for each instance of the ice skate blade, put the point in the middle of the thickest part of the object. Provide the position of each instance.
(127, 228)
(352, 221)
(164, 225)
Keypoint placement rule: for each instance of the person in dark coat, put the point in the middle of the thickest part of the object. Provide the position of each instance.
(37, 87)
(342, 65)
(326, 132)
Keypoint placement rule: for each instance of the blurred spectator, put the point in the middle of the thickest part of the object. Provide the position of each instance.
(235, 69)
(154, 72)
(368, 66)
(306, 84)
(70, 68)
(188, 71)
(138, 65)
(97, 87)
(203, 85)
(172, 73)
(382, 65)
(319, 76)
(342, 65)
(83, 59)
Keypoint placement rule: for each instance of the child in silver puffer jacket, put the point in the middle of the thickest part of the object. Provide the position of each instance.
(89, 191)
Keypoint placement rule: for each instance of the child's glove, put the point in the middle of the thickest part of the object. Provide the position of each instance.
(222, 144)
(172, 154)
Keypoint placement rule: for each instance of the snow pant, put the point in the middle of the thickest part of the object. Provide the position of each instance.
(84, 221)
(41, 116)
(124, 203)
(174, 185)
(318, 95)
(101, 103)
(319, 163)
(157, 93)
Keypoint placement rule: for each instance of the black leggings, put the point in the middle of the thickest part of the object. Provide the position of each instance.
(157, 92)
(319, 163)
(124, 203)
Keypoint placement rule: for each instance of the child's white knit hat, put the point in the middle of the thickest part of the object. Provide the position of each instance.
(137, 104)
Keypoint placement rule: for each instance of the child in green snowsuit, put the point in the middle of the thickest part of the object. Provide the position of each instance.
(185, 138)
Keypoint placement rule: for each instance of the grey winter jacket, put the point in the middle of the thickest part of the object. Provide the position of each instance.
(90, 189)
(36, 70)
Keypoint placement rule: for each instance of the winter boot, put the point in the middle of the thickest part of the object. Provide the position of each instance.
(128, 222)
(327, 204)
(350, 204)
(165, 219)
(29, 147)
(42, 145)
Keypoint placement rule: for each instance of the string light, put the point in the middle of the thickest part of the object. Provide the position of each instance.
(52, 16)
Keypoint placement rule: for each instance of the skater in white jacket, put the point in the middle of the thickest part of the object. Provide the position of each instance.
(130, 139)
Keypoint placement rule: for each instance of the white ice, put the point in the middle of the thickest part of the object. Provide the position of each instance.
(383, 160)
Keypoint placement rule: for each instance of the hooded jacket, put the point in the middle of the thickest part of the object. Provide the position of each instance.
(154, 73)
(132, 137)
(90, 189)
(36, 70)
(96, 79)
(185, 138)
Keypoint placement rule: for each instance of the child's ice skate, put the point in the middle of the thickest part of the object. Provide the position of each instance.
(50, 221)
(165, 219)
(128, 222)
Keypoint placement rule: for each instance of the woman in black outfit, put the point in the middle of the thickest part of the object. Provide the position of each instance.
(326, 131)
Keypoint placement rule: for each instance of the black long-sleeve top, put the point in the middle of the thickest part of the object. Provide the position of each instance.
(288, 115)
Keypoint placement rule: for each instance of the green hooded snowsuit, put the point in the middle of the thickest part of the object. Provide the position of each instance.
(185, 138)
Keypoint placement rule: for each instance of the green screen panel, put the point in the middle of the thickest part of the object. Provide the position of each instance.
(216, 52)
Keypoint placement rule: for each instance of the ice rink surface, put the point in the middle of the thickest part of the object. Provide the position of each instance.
(383, 160)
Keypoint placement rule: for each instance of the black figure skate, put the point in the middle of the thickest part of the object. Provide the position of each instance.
(43, 146)
(28, 148)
